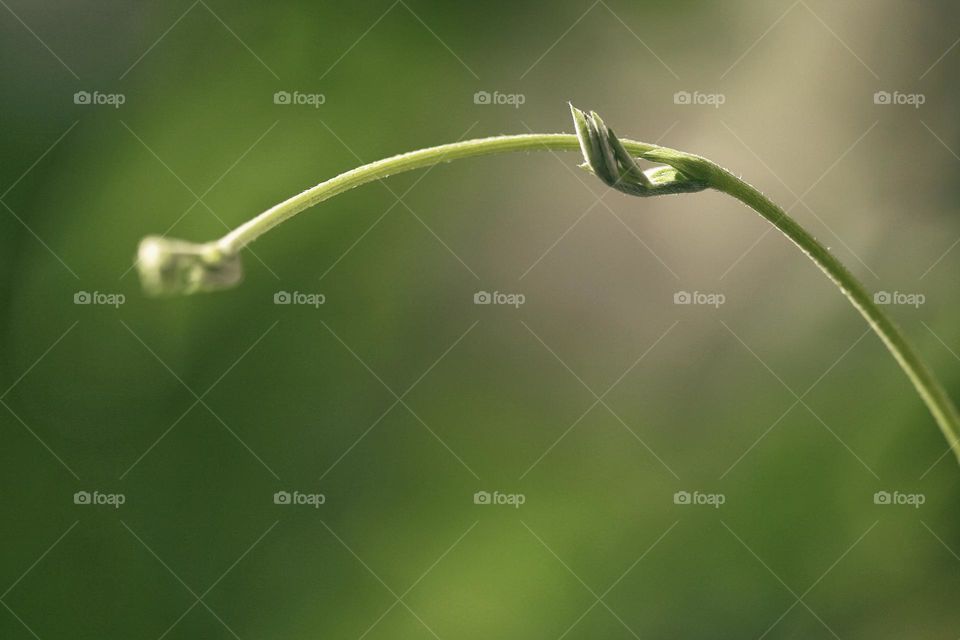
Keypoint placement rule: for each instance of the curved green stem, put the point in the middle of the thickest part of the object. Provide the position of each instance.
(174, 266)
(252, 229)
(923, 379)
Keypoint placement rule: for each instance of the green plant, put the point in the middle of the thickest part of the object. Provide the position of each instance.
(170, 266)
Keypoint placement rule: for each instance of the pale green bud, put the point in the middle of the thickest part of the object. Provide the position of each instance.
(176, 267)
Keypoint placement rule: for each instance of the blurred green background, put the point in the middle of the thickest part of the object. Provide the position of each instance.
(399, 398)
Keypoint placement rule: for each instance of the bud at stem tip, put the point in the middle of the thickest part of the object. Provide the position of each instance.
(176, 267)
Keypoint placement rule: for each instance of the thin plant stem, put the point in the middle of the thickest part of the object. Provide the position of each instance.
(922, 377)
(174, 266)
(254, 228)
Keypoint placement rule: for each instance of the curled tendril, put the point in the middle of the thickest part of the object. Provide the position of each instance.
(606, 157)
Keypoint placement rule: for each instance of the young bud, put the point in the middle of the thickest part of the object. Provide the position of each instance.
(176, 267)
(608, 159)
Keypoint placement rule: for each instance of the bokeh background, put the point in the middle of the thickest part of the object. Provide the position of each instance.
(398, 399)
